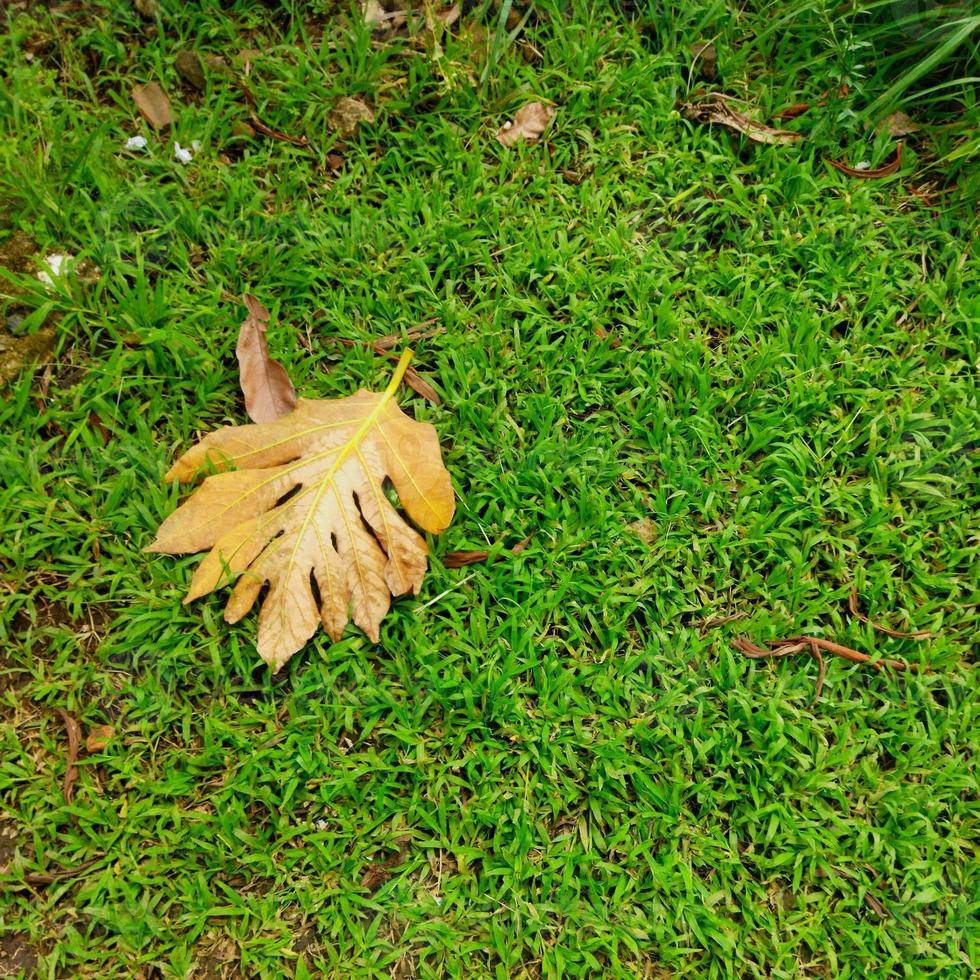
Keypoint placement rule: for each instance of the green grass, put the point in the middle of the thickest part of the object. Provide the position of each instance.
(548, 766)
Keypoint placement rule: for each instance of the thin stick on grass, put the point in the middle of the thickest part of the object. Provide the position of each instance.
(74, 731)
(814, 645)
(852, 604)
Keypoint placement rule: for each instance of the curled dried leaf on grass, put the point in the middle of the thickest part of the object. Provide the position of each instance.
(268, 391)
(717, 108)
(528, 124)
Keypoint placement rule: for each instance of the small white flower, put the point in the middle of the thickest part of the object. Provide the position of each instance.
(58, 264)
(863, 165)
(135, 143)
(321, 824)
(181, 154)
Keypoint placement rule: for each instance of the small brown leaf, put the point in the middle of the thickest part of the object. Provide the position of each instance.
(153, 104)
(269, 394)
(99, 736)
(898, 124)
(373, 12)
(716, 108)
(704, 59)
(645, 529)
(528, 125)
(190, 68)
(347, 115)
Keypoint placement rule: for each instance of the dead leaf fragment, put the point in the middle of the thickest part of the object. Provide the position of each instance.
(716, 108)
(269, 394)
(18, 353)
(300, 504)
(99, 736)
(704, 59)
(898, 124)
(645, 529)
(528, 125)
(191, 69)
(347, 115)
(153, 104)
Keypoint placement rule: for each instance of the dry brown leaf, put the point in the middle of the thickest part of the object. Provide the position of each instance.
(645, 529)
(268, 391)
(99, 736)
(716, 108)
(153, 104)
(191, 69)
(347, 115)
(898, 124)
(373, 12)
(529, 123)
(300, 504)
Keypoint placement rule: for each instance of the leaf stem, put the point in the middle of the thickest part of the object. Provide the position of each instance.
(400, 369)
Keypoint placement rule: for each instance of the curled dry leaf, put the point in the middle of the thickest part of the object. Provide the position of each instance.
(717, 108)
(529, 123)
(268, 391)
(300, 504)
(99, 736)
(887, 170)
(191, 69)
(347, 115)
(153, 104)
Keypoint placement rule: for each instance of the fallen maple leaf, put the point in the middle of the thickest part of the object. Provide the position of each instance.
(307, 513)
(153, 104)
(529, 123)
(267, 389)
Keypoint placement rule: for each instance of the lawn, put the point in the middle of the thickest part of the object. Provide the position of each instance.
(720, 384)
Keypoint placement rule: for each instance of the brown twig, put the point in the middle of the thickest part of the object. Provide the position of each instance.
(885, 171)
(74, 745)
(852, 604)
(49, 878)
(260, 126)
(412, 378)
(459, 559)
(813, 645)
(710, 623)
